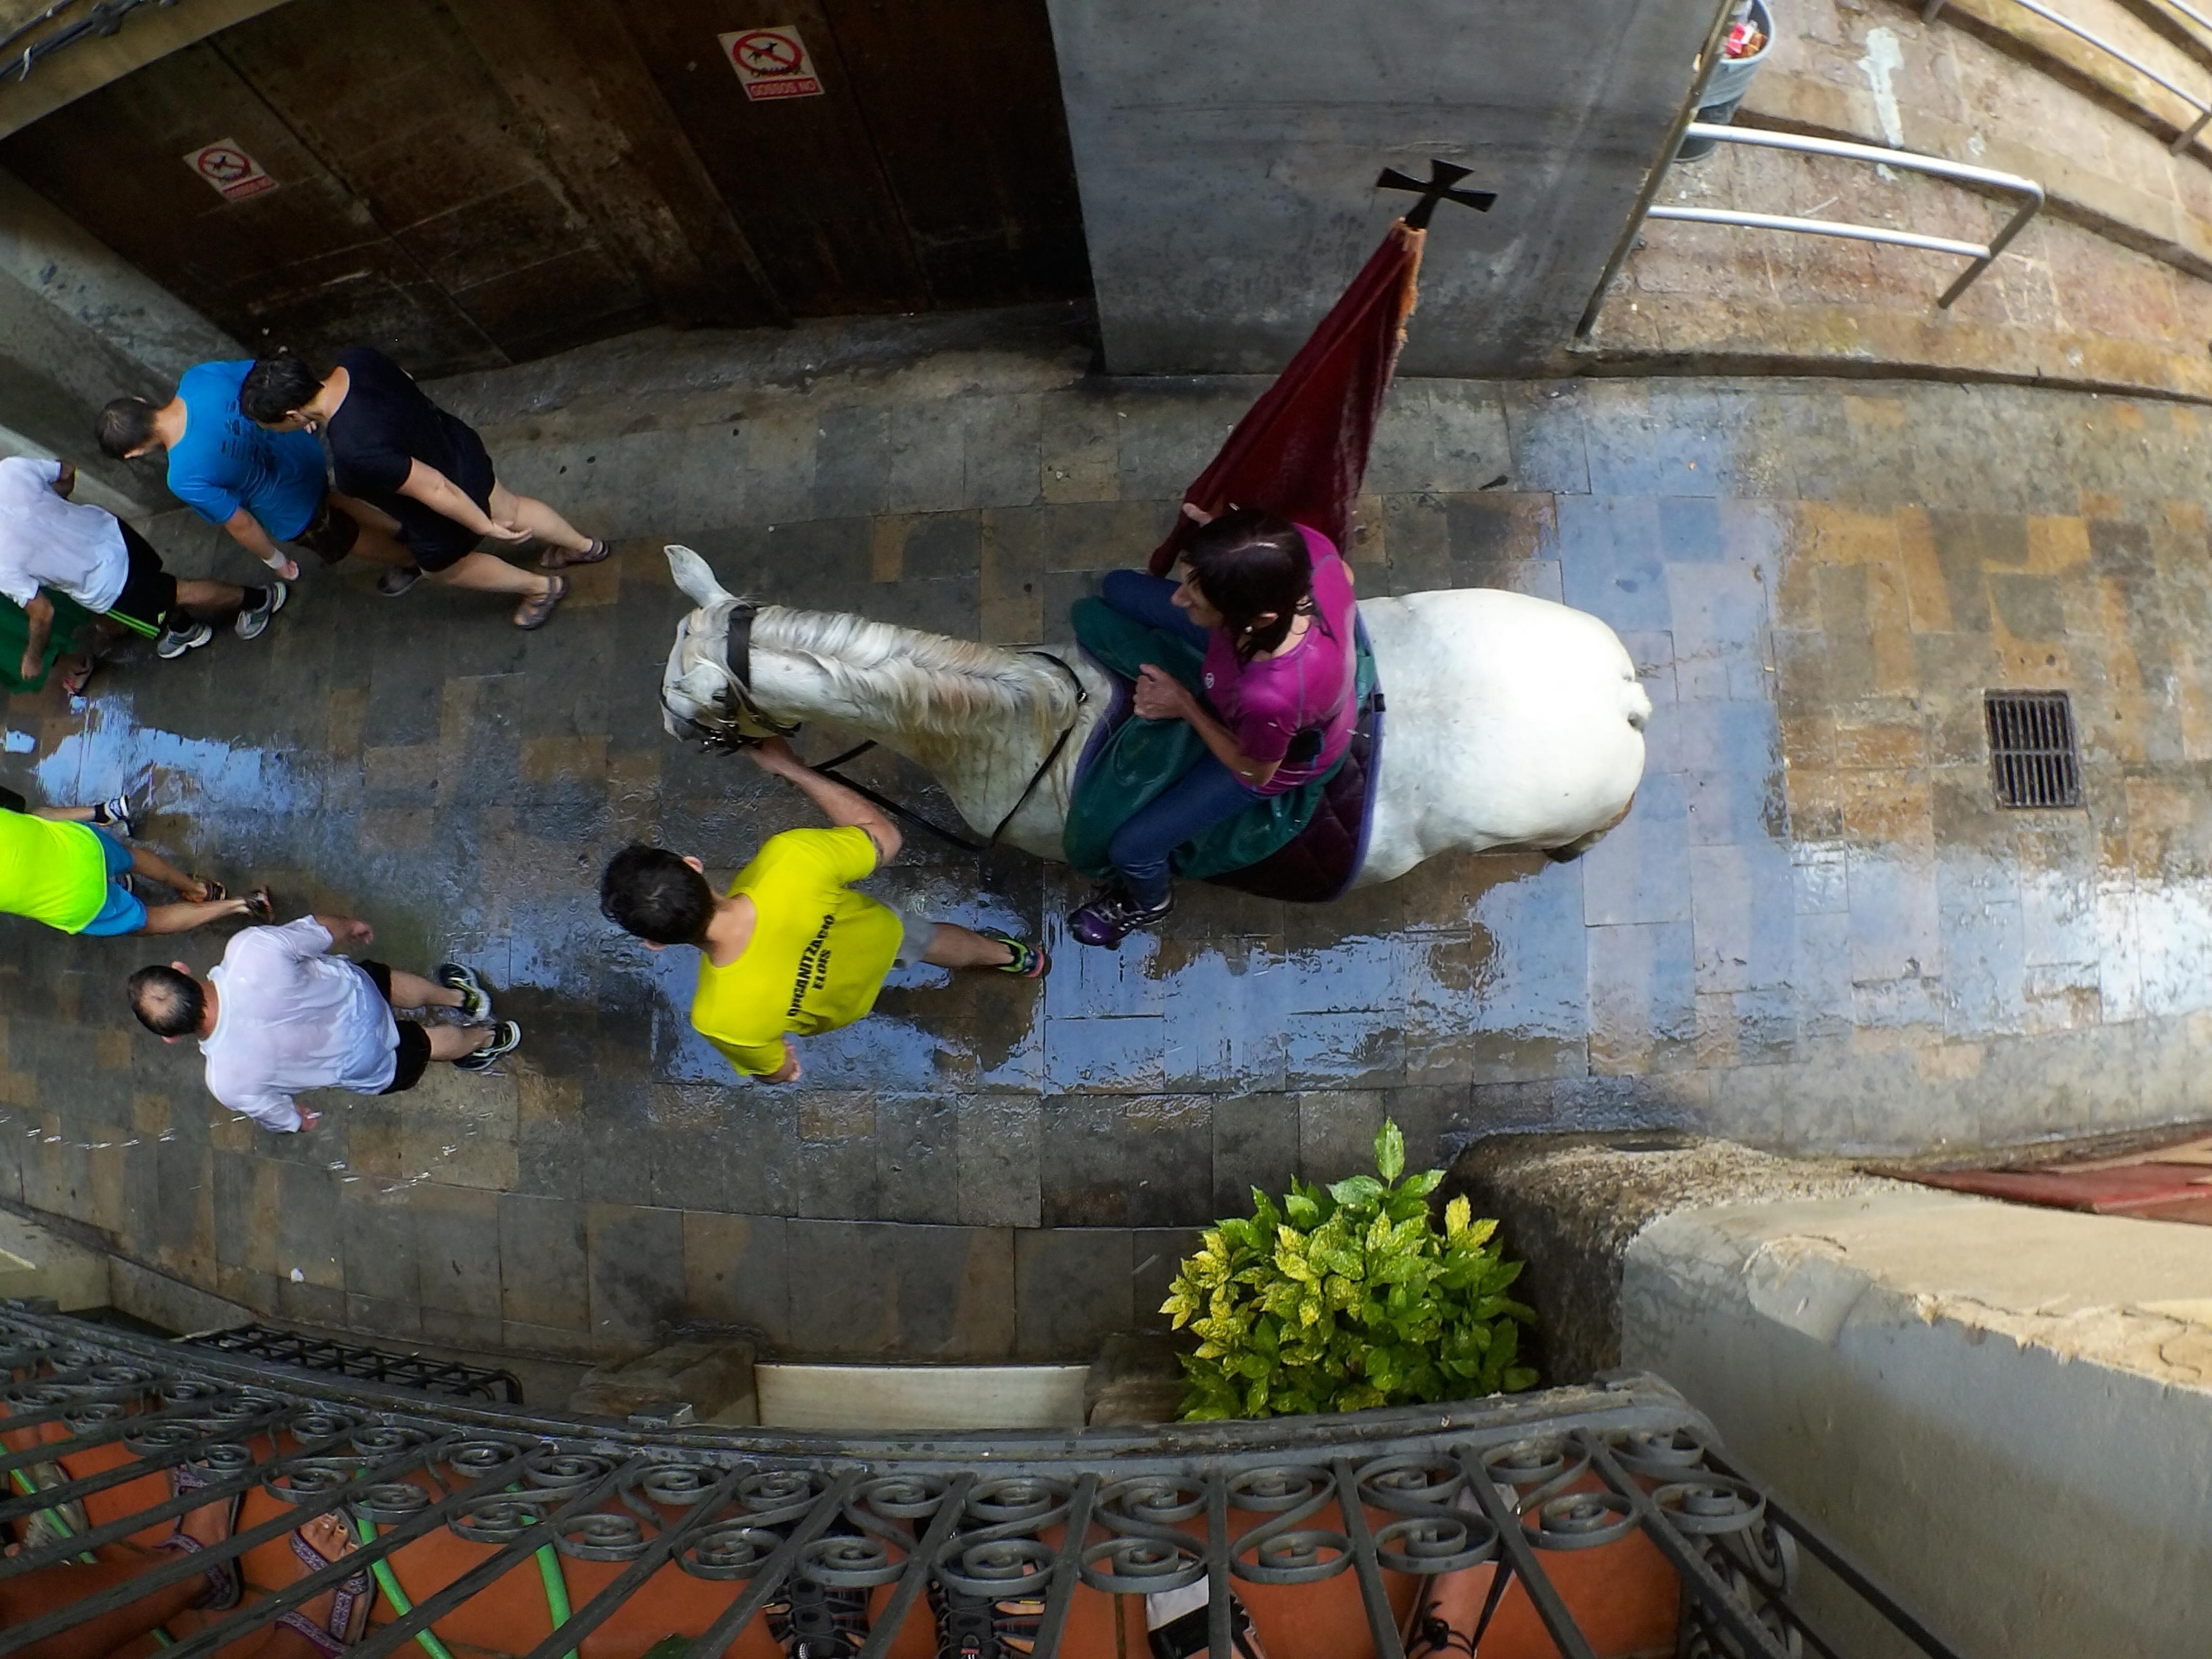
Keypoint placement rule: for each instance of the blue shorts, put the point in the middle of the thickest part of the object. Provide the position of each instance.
(124, 913)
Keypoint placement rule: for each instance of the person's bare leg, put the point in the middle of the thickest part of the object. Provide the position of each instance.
(206, 599)
(483, 574)
(413, 991)
(536, 517)
(954, 946)
(155, 867)
(379, 541)
(183, 918)
(453, 1041)
(45, 1588)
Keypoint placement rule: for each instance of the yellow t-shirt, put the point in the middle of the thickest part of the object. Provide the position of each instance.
(51, 872)
(818, 955)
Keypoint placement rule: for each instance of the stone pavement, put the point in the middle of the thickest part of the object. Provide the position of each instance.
(1815, 931)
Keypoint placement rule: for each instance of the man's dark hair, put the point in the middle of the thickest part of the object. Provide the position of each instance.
(277, 385)
(167, 1003)
(651, 892)
(125, 425)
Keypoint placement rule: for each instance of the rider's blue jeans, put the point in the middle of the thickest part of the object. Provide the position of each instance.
(1205, 795)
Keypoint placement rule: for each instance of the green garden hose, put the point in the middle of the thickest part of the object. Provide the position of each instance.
(397, 1596)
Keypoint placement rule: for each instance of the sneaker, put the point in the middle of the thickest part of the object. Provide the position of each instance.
(968, 1628)
(397, 579)
(253, 622)
(475, 1000)
(1110, 915)
(813, 1622)
(117, 814)
(173, 645)
(1029, 963)
(506, 1038)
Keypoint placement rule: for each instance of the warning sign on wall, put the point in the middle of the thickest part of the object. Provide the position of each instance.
(771, 63)
(229, 171)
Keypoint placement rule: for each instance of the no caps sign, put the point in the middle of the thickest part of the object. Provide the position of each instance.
(771, 63)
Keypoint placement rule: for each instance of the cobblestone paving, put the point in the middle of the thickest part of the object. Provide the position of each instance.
(1815, 931)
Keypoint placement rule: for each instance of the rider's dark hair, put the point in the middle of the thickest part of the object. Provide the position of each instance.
(651, 892)
(167, 1003)
(277, 385)
(125, 425)
(1248, 563)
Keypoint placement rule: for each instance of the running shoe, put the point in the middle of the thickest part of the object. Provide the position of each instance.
(253, 620)
(1110, 915)
(173, 645)
(812, 1621)
(475, 1000)
(968, 1628)
(117, 814)
(397, 579)
(506, 1038)
(1029, 962)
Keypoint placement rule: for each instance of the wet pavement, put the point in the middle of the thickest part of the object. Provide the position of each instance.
(1815, 930)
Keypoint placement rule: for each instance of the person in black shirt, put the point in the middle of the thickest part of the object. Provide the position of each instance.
(391, 446)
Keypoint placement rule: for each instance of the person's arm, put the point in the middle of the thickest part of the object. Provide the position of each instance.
(40, 615)
(245, 530)
(441, 494)
(1161, 696)
(275, 1113)
(764, 1062)
(346, 930)
(840, 805)
(64, 479)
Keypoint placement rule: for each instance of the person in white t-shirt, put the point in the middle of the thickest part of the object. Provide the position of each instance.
(279, 1016)
(48, 540)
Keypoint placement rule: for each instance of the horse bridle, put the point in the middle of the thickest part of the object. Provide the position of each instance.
(736, 665)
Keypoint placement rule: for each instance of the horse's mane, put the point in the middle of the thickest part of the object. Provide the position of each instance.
(920, 681)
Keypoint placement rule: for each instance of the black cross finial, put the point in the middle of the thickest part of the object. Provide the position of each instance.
(1442, 176)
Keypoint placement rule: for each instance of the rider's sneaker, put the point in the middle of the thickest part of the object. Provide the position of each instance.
(253, 620)
(398, 580)
(475, 1000)
(968, 1628)
(173, 642)
(1110, 915)
(812, 1621)
(1029, 962)
(118, 814)
(506, 1038)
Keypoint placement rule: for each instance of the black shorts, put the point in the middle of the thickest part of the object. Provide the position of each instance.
(414, 1058)
(149, 593)
(330, 533)
(436, 540)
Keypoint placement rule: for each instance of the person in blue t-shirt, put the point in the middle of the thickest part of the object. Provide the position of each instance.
(262, 487)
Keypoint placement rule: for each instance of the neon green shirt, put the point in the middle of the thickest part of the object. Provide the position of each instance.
(51, 872)
(818, 955)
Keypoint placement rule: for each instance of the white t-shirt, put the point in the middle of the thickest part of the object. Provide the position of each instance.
(46, 541)
(289, 1019)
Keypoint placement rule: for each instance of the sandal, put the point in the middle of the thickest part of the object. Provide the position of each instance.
(533, 614)
(223, 1588)
(260, 905)
(352, 1596)
(557, 558)
(75, 681)
(212, 893)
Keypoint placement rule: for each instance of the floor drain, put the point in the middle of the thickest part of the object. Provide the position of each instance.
(2032, 759)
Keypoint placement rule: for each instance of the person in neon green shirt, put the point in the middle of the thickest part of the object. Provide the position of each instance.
(791, 949)
(61, 865)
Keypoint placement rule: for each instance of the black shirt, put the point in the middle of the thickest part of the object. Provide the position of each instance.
(386, 424)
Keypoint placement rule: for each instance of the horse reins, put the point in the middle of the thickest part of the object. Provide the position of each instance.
(738, 669)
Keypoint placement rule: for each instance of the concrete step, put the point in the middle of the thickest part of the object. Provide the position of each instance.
(2074, 62)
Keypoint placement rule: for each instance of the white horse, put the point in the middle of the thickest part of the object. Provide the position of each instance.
(1511, 721)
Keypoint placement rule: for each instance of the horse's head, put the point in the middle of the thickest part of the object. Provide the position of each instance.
(700, 696)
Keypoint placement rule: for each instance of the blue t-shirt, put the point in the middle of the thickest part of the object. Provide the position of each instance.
(224, 462)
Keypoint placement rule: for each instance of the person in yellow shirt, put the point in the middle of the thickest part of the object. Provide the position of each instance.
(791, 950)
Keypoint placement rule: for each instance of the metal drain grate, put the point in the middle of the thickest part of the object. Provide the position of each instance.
(2033, 759)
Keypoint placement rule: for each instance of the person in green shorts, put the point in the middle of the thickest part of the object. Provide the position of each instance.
(791, 948)
(65, 867)
(68, 646)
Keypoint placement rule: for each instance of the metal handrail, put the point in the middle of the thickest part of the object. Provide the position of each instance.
(1983, 255)
(2203, 109)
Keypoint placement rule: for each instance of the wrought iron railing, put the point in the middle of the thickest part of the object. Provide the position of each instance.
(1362, 1518)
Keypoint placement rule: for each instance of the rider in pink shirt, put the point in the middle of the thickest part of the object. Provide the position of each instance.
(1271, 605)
